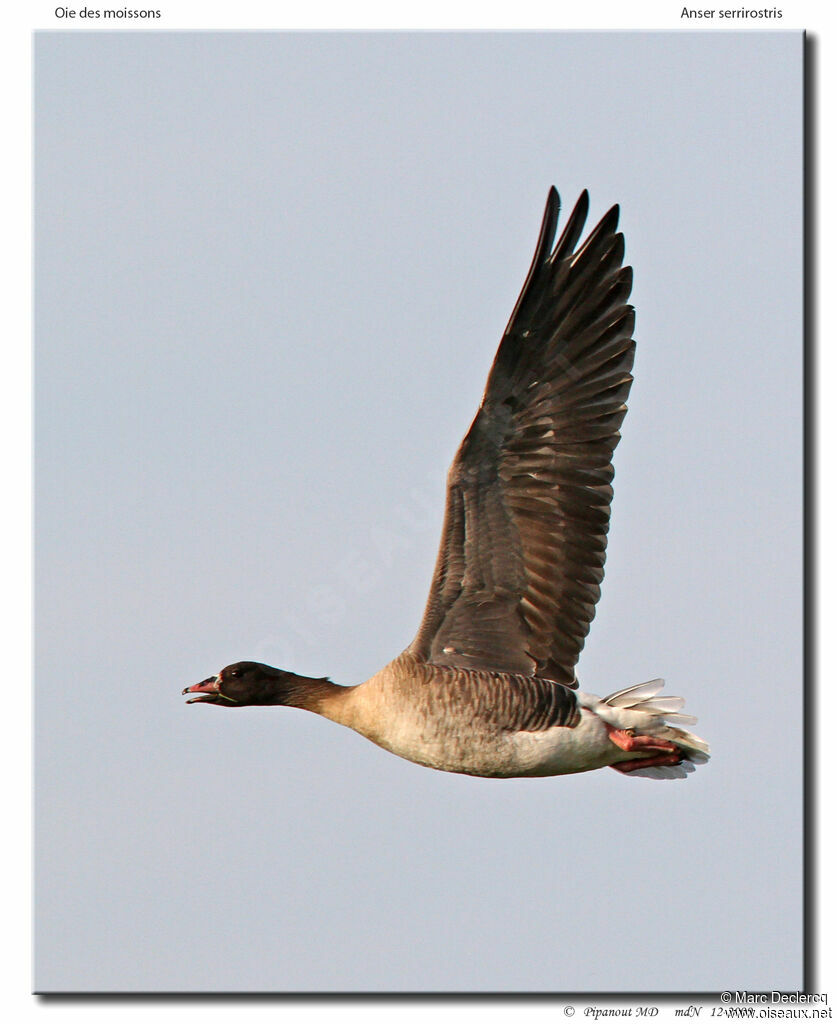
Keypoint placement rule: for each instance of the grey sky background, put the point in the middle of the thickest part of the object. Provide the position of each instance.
(271, 275)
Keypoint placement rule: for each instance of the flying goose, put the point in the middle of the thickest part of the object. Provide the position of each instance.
(488, 685)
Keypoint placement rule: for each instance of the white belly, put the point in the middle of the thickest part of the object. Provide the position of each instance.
(557, 751)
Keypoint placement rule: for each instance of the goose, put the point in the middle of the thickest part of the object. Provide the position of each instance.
(488, 686)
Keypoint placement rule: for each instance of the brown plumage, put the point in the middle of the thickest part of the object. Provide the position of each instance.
(528, 502)
(487, 685)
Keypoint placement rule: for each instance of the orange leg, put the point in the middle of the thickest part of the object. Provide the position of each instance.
(662, 751)
(647, 762)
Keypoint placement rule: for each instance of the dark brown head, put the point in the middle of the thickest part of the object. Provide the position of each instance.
(251, 683)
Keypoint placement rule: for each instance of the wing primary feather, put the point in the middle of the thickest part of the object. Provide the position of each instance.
(545, 238)
(573, 228)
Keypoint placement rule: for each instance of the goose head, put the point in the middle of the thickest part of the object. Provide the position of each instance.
(251, 683)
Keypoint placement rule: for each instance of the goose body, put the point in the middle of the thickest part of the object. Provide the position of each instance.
(496, 725)
(488, 685)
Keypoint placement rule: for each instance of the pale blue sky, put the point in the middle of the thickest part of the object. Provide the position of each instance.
(271, 274)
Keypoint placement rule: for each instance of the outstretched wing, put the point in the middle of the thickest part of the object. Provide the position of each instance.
(528, 501)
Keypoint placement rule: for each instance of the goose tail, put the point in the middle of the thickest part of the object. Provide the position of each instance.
(643, 710)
